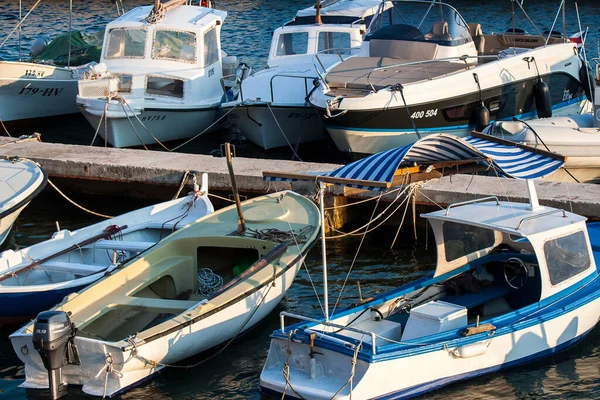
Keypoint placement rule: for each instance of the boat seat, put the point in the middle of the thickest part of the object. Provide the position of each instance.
(470, 300)
(156, 305)
(125, 245)
(478, 38)
(75, 268)
(439, 31)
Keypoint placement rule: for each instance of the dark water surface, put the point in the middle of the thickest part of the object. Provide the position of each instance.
(235, 373)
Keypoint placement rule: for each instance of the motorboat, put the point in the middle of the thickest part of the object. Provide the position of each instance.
(162, 75)
(575, 136)
(197, 288)
(37, 277)
(20, 181)
(423, 69)
(271, 109)
(514, 282)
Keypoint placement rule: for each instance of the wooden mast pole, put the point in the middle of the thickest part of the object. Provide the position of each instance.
(241, 223)
(318, 13)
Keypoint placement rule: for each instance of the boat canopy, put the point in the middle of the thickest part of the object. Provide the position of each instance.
(339, 12)
(376, 172)
(419, 21)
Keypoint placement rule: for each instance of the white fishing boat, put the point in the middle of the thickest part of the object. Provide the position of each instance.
(20, 182)
(45, 85)
(161, 75)
(575, 136)
(200, 287)
(271, 109)
(422, 69)
(514, 282)
(37, 277)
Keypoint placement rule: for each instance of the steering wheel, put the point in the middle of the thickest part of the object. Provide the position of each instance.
(515, 273)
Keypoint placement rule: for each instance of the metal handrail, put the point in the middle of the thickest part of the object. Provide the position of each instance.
(284, 314)
(291, 76)
(541, 215)
(338, 52)
(463, 203)
(461, 58)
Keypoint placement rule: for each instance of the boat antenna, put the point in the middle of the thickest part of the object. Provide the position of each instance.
(20, 16)
(323, 251)
(241, 223)
(70, 31)
(318, 7)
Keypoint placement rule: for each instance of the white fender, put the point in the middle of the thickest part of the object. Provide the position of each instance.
(471, 350)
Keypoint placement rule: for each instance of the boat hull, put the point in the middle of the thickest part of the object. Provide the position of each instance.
(125, 130)
(29, 91)
(263, 126)
(173, 347)
(7, 222)
(371, 380)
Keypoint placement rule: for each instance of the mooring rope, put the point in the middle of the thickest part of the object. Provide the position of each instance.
(283, 133)
(75, 204)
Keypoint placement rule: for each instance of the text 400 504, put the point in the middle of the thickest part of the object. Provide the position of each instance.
(30, 91)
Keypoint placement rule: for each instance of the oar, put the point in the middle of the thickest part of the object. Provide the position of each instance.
(111, 230)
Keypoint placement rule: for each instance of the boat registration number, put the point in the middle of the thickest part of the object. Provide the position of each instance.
(153, 118)
(424, 114)
(32, 91)
(33, 72)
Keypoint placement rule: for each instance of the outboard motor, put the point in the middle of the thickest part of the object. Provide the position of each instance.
(39, 45)
(52, 331)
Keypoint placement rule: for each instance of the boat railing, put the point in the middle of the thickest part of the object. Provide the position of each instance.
(474, 201)
(372, 335)
(306, 78)
(338, 51)
(237, 80)
(564, 214)
(463, 58)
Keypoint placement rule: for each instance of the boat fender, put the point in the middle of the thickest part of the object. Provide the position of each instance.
(543, 101)
(471, 350)
(586, 83)
(482, 117)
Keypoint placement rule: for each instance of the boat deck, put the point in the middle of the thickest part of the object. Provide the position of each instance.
(354, 72)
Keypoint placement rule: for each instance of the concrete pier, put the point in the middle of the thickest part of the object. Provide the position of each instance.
(78, 166)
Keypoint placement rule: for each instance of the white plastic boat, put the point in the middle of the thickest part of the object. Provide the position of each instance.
(37, 277)
(271, 109)
(159, 309)
(514, 282)
(20, 181)
(423, 69)
(575, 136)
(160, 77)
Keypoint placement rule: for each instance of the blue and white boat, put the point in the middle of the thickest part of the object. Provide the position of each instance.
(37, 277)
(20, 181)
(513, 283)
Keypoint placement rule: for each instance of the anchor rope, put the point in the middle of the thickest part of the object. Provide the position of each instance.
(283, 133)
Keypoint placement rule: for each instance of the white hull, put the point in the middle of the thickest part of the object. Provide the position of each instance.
(264, 128)
(29, 91)
(417, 374)
(7, 222)
(164, 125)
(174, 347)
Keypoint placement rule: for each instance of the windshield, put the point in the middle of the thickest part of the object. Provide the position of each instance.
(126, 43)
(420, 21)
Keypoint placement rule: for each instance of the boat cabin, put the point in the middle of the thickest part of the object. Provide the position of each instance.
(175, 58)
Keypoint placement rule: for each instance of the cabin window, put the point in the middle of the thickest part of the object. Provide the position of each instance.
(292, 44)
(126, 43)
(334, 43)
(163, 86)
(124, 83)
(461, 239)
(566, 257)
(174, 46)
(211, 47)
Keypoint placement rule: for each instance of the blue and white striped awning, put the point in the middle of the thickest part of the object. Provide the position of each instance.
(376, 172)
